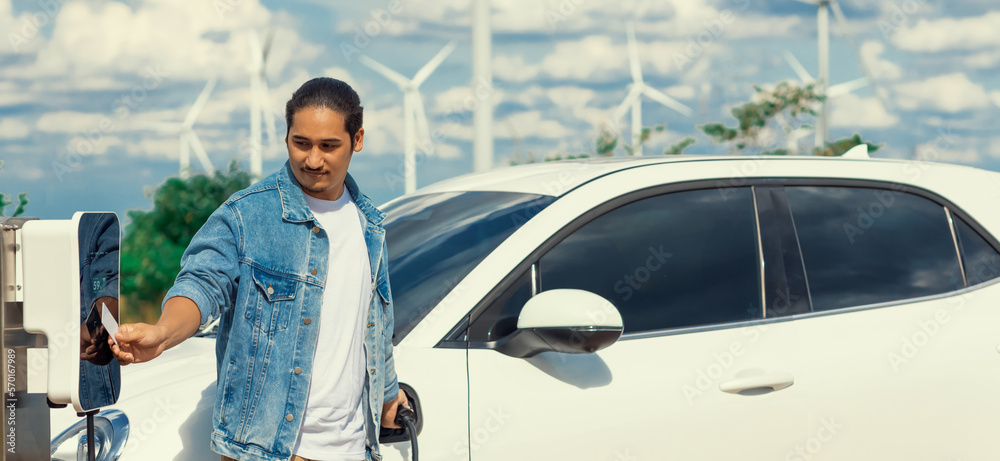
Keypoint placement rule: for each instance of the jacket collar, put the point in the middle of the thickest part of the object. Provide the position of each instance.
(293, 201)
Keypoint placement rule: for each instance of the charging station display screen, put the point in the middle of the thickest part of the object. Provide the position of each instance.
(100, 373)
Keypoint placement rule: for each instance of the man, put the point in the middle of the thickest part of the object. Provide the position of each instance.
(296, 267)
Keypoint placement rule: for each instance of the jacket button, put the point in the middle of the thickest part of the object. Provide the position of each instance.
(315, 229)
(289, 418)
(307, 321)
(270, 290)
(298, 371)
(314, 272)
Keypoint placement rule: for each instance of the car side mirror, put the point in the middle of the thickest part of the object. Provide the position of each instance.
(564, 320)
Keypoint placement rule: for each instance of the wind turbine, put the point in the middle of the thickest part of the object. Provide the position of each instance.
(829, 91)
(260, 102)
(188, 138)
(823, 32)
(482, 74)
(639, 88)
(414, 117)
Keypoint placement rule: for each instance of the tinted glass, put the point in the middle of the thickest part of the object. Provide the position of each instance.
(863, 246)
(435, 240)
(675, 260)
(982, 262)
(99, 243)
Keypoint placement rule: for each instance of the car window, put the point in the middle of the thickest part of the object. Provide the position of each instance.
(864, 245)
(675, 260)
(981, 261)
(435, 240)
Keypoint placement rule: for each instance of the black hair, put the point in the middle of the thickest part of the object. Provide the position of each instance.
(332, 94)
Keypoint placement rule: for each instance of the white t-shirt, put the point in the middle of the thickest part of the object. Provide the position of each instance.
(333, 427)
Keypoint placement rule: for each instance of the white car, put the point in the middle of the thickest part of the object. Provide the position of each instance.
(795, 308)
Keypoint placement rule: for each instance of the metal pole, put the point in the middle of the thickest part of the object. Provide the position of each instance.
(482, 87)
(823, 28)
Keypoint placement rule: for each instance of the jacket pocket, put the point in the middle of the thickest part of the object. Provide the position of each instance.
(274, 301)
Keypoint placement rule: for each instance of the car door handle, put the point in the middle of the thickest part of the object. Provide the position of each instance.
(755, 382)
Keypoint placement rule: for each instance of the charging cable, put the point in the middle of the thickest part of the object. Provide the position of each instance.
(405, 418)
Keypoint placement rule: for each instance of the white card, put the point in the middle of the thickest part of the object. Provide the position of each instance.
(110, 324)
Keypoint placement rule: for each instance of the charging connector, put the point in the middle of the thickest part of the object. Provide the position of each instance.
(405, 417)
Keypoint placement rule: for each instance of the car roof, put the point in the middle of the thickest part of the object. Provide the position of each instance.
(556, 178)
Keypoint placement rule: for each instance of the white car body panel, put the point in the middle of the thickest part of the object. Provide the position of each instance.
(657, 396)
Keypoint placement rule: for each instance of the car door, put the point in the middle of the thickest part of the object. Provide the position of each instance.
(902, 342)
(699, 372)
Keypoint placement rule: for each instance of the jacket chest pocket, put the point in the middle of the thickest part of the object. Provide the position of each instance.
(274, 297)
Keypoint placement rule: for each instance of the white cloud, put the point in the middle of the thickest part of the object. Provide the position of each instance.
(530, 124)
(451, 100)
(995, 148)
(514, 68)
(967, 33)
(447, 150)
(12, 128)
(157, 146)
(96, 41)
(950, 92)
(985, 60)
(96, 147)
(871, 52)
(850, 110)
(928, 152)
(680, 91)
(69, 122)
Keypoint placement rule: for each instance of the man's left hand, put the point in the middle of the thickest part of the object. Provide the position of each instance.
(389, 411)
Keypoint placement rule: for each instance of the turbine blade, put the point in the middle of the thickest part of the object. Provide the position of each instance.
(423, 129)
(797, 66)
(150, 125)
(842, 21)
(633, 54)
(199, 150)
(386, 72)
(255, 53)
(268, 111)
(809, 2)
(199, 104)
(268, 41)
(436, 61)
(626, 104)
(662, 98)
(846, 87)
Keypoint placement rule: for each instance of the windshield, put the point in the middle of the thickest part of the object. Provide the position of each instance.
(436, 240)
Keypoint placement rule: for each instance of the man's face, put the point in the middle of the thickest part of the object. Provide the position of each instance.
(319, 151)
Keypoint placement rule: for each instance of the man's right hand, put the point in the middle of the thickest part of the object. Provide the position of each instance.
(139, 342)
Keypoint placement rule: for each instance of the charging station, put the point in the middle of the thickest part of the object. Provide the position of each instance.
(59, 298)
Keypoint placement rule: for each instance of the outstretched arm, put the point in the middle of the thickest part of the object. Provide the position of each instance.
(141, 342)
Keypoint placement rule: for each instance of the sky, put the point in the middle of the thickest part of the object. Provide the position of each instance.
(79, 77)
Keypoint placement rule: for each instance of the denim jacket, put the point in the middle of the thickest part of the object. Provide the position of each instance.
(260, 261)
